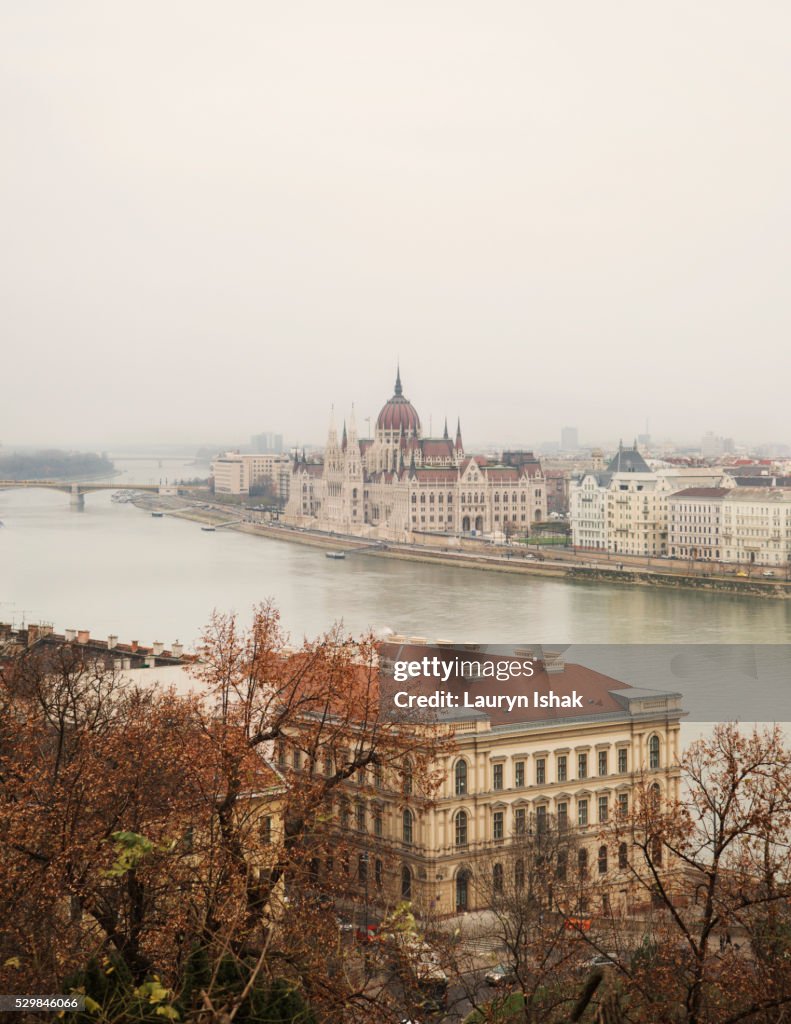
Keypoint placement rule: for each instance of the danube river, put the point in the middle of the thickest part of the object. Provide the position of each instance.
(116, 569)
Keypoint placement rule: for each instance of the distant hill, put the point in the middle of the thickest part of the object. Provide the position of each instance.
(53, 464)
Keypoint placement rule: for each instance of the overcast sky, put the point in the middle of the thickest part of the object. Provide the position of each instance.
(220, 218)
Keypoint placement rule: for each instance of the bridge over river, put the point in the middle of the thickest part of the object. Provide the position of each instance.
(77, 491)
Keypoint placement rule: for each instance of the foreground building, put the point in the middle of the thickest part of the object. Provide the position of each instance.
(399, 484)
(511, 774)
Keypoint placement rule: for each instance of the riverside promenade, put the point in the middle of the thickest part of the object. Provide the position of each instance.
(579, 567)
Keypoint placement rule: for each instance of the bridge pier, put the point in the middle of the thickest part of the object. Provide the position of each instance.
(77, 499)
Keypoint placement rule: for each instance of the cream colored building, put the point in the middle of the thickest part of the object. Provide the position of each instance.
(624, 509)
(507, 773)
(744, 525)
(756, 526)
(236, 473)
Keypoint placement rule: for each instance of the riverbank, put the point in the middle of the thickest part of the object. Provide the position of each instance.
(509, 561)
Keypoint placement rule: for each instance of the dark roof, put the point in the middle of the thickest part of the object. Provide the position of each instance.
(702, 492)
(628, 460)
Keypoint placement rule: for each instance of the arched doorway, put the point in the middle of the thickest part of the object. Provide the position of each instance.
(465, 524)
(479, 524)
(463, 880)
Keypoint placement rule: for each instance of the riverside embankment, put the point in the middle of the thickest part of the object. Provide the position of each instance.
(479, 555)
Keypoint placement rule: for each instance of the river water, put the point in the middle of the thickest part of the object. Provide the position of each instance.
(116, 569)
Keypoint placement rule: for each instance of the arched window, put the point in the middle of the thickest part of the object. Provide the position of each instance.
(407, 827)
(406, 883)
(656, 850)
(653, 752)
(461, 778)
(655, 796)
(602, 860)
(623, 856)
(582, 863)
(497, 879)
(519, 874)
(461, 828)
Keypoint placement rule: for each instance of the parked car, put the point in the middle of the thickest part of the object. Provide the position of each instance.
(599, 961)
(502, 974)
(767, 572)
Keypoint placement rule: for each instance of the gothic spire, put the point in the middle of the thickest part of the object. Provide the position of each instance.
(398, 389)
(445, 436)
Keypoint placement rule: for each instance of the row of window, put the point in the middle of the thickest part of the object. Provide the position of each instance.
(562, 766)
(461, 818)
(561, 866)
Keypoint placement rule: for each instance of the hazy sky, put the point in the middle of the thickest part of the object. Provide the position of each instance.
(219, 218)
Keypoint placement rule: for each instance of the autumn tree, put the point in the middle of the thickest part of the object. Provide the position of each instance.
(714, 871)
(147, 831)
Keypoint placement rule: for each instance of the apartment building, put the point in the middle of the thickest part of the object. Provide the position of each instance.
(745, 525)
(624, 509)
(236, 473)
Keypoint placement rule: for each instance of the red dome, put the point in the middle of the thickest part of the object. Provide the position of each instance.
(399, 413)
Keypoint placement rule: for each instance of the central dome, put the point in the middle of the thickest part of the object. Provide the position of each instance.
(399, 413)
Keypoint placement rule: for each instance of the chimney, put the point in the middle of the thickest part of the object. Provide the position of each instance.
(133, 645)
(83, 636)
(32, 634)
(176, 649)
(112, 641)
(70, 635)
(158, 648)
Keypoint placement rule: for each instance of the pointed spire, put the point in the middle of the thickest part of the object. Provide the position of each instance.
(458, 434)
(398, 389)
(445, 436)
(332, 433)
(343, 439)
(412, 462)
(352, 426)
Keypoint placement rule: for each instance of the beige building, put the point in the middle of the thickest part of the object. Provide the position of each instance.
(745, 525)
(236, 473)
(756, 526)
(510, 771)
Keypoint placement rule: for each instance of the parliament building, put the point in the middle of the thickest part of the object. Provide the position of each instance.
(400, 483)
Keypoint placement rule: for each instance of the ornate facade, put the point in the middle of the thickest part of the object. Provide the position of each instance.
(399, 483)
